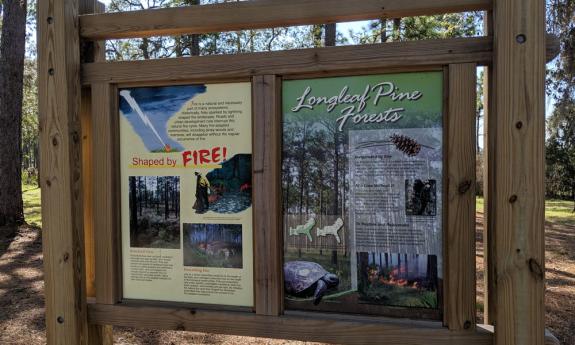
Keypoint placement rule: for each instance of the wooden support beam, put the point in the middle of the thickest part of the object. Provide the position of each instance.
(267, 195)
(90, 52)
(319, 327)
(489, 301)
(105, 151)
(316, 62)
(460, 228)
(320, 60)
(517, 137)
(61, 156)
(260, 14)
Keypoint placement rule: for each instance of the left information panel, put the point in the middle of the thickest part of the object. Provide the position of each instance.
(185, 154)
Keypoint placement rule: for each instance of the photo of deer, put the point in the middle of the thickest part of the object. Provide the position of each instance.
(213, 245)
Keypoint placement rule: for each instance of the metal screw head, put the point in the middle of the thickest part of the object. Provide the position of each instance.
(51, 71)
(521, 38)
(513, 199)
(519, 125)
(50, 20)
(60, 319)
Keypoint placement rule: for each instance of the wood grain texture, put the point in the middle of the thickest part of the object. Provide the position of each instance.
(550, 339)
(314, 62)
(459, 293)
(298, 326)
(268, 251)
(260, 14)
(105, 201)
(88, 53)
(97, 334)
(87, 183)
(317, 60)
(100, 335)
(61, 156)
(518, 137)
(490, 302)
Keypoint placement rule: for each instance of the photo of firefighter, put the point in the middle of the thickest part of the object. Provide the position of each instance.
(408, 280)
(213, 245)
(225, 190)
(154, 211)
(202, 203)
(420, 198)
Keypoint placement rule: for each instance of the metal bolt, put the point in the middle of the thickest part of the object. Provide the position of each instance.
(51, 71)
(513, 199)
(521, 38)
(519, 125)
(50, 20)
(60, 319)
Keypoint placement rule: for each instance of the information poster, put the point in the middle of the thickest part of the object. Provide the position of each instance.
(187, 193)
(362, 192)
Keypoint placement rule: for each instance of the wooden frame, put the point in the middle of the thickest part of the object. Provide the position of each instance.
(517, 53)
(260, 14)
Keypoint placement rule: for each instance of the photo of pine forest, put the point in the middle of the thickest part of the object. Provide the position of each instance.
(154, 203)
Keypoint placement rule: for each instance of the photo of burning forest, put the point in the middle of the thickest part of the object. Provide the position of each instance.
(226, 190)
(405, 280)
(420, 197)
(154, 205)
(213, 245)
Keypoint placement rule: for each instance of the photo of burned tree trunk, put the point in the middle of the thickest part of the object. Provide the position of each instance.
(154, 211)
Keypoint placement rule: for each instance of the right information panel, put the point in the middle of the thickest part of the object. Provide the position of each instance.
(362, 179)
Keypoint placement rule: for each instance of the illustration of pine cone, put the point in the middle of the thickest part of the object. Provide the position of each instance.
(406, 144)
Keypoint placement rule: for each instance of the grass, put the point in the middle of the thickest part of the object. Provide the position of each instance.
(556, 210)
(32, 208)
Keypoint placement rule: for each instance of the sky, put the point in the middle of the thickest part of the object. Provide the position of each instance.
(158, 105)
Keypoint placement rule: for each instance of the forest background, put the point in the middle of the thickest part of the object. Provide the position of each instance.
(19, 150)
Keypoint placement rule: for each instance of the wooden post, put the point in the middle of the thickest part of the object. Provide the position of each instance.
(460, 283)
(60, 143)
(267, 195)
(489, 300)
(517, 175)
(105, 125)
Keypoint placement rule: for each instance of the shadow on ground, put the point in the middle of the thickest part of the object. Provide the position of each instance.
(22, 300)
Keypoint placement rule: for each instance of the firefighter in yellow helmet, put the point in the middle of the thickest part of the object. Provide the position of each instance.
(202, 185)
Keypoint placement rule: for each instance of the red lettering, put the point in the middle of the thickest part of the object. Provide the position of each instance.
(216, 154)
(186, 157)
(204, 156)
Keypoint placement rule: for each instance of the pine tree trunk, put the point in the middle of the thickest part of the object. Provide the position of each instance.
(11, 93)
(383, 30)
(166, 194)
(330, 35)
(133, 208)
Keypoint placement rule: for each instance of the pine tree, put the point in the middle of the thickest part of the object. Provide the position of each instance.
(12, 49)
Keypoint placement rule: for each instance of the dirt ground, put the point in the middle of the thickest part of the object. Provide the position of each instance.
(22, 301)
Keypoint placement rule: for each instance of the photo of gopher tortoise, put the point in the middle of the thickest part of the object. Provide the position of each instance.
(305, 279)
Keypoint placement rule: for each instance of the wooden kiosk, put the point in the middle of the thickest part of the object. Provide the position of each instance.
(79, 131)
